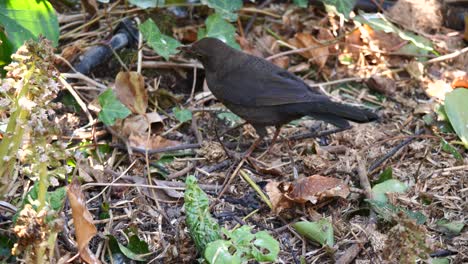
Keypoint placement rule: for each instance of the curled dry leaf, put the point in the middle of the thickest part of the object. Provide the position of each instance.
(311, 189)
(154, 142)
(318, 52)
(130, 89)
(83, 221)
(140, 124)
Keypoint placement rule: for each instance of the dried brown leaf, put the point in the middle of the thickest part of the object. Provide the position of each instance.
(130, 89)
(278, 201)
(83, 221)
(154, 142)
(315, 188)
(318, 52)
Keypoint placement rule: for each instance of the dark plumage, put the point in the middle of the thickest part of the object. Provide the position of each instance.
(264, 94)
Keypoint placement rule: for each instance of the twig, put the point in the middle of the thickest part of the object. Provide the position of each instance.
(259, 11)
(352, 252)
(231, 178)
(78, 100)
(448, 56)
(392, 152)
(256, 188)
(161, 150)
(181, 172)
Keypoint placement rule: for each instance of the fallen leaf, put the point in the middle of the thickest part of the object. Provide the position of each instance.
(69, 53)
(318, 52)
(282, 62)
(315, 188)
(130, 89)
(312, 189)
(154, 142)
(83, 221)
(276, 194)
(247, 47)
(140, 124)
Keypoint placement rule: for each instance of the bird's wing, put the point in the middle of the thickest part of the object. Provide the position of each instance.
(263, 84)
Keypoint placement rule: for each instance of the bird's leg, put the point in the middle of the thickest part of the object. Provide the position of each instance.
(261, 132)
(252, 148)
(275, 137)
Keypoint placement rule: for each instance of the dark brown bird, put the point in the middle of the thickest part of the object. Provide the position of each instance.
(264, 94)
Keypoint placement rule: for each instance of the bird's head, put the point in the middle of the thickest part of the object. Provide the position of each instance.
(210, 51)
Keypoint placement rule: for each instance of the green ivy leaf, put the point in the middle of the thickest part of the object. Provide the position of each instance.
(386, 211)
(447, 147)
(111, 108)
(384, 176)
(217, 252)
(339, 7)
(160, 43)
(24, 20)
(457, 112)
(183, 115)
(203, 228)
(117, 247)
(453, 228)
(217, 27)
(301, 3)
(224, 8)
(389, 186)
(320, 231)
(266, 248)
(230, 117)
(145, 4)
(379, 22)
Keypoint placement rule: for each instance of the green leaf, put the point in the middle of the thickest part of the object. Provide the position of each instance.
(145, 4)
(111, 108)
(379, 22)
(6, 244)
(217, 252)
(385, 175)
(137, 246)
(457, 111)
(55, 199)
(160, 43)
(230, 117)
(264, 242)
(116, 247)
(243, 246)
(439, 261)
(387, 211)
(301, 3)
(339, 7)
(203, 228)
(225, 9)
(183, 115)
(320, 231)
(24, 20)
(447, 147)
(450, 228)
(217, 27)
(389, 186)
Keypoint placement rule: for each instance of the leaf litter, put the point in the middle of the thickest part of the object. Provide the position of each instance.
(436, 180)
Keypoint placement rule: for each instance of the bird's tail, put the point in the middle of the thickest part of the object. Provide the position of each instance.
(352, 113)
(339, 113)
